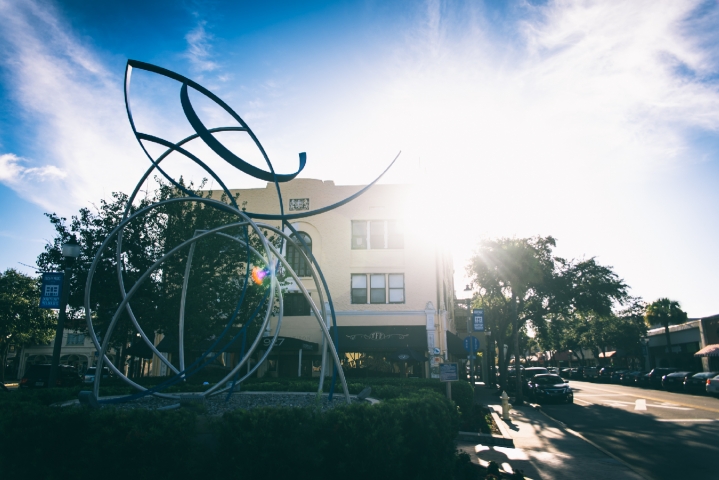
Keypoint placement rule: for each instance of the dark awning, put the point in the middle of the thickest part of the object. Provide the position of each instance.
(170, 344)
(381, 338)
(406, 355)
(455, 345)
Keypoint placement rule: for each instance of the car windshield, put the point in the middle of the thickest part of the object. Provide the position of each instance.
(548, 380)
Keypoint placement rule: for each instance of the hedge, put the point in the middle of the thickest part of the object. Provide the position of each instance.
(405, 438)
(410, 437)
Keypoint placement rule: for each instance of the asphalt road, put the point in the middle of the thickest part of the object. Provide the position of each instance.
(661, 435)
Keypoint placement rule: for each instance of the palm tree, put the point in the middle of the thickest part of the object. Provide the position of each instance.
(665, 312)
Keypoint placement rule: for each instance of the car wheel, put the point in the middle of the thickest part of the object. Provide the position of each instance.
(570, 400)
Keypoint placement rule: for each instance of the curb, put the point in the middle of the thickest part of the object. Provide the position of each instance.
(486, 439)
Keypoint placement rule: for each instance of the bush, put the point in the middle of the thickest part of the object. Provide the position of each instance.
(410, 437)
(49, 443)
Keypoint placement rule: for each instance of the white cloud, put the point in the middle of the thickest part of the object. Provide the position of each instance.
(73, 107)
(199, 48)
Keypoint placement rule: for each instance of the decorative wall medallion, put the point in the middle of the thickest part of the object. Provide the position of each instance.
(299, 204)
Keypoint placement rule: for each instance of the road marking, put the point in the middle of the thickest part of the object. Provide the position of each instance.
(686, 420)
(583, 401)
(698, 407)
(598, 395)
(640, 404)
(670, 407)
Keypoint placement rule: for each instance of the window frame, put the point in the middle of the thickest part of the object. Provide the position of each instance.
(295, 258)
(367, 289)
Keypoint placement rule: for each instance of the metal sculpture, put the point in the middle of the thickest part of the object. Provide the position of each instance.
(269, 255)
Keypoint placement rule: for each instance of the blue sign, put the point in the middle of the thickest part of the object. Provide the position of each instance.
(448, 372)
(51, 289)
(478, 319)
(471, 347)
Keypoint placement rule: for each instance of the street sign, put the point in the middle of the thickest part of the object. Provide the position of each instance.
(435, 360)
(51, 289)
(471, 347)
(478, 319)
(448, 372)
(436, 351)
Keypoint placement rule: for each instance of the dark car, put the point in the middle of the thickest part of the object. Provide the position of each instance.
(697, 383)
(654, 378)
(90, 374)
(675, 381)
(617, 376)
(605, 374)
(38, 376)
(631, 378)
(3, 388)
(548, 387)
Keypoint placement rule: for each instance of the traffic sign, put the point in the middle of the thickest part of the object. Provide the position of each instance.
(478, 319)
(473, 346)
(51, 289)
(448, 372)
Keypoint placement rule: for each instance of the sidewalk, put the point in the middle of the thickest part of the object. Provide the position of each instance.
(543, 449)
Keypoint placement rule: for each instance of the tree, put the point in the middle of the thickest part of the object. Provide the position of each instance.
(582, 300)
(216, 280)
(515, 276)
(665, 312)
(22, 321)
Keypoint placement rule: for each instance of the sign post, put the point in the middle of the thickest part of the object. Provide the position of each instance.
(471, 345)
(448, 372)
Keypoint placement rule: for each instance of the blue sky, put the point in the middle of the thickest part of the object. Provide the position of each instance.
(594, 122)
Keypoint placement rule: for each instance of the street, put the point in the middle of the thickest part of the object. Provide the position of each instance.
(659, 434)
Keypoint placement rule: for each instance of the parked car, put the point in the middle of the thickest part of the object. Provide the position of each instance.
(697, 383)
(38, 376)
(712, 387)
(3, 388)
(553, 370)
(643, 381)
(547, 387)
(605, 373)
(90, 374)
(675, 381)
(631, 378)
(591, 373)
(617, 376)
(654, 378)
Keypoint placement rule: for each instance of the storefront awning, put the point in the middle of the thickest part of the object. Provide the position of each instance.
(455, 345)
(169, 344)
(708, 351)
(381, 338)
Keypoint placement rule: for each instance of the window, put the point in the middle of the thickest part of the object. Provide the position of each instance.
(377, 234)
(75, 339)
(395, 234)
(294, 256)
(359, 235)
(295, 305)
(381, 288)
(377, 288)
(396, 288)
(359, 288)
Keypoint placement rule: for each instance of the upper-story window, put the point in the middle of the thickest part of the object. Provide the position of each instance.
(383, 288)
(377, 234)
(75, 339)
(294, 256)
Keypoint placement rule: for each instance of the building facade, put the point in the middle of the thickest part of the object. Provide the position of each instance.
(390, 280)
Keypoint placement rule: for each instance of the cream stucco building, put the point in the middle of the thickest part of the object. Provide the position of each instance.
(389, 277)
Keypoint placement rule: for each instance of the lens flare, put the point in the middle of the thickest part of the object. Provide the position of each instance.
(259, 274)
